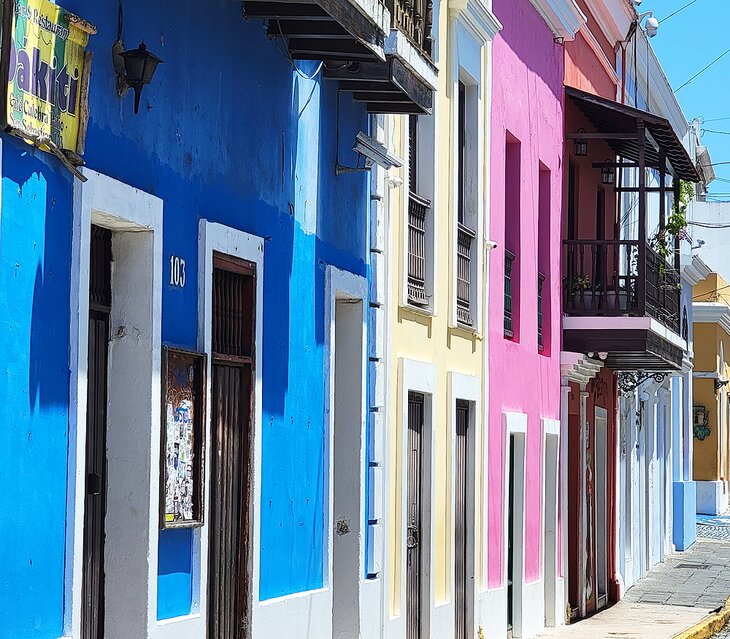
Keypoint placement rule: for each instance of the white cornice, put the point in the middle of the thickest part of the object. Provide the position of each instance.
(712, 313)
(614, 17)
(578, 368)
(694, 270)
(564, 17)
(478, 16)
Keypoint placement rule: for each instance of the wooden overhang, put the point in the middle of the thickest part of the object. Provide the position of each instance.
(335, 30)
(385, 88)
(619, 126)
(628, 350)
(352, 47)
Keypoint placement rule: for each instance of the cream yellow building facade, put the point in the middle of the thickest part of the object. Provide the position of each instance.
(436, 212)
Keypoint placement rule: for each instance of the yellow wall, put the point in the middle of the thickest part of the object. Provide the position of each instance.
(429, 338)
(708, 338)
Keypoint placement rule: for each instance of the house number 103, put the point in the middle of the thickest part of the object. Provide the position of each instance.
(177, 271)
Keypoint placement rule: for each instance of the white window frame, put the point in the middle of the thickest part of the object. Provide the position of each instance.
(471, 29)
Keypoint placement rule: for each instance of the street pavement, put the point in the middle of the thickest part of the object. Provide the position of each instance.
(673, 597)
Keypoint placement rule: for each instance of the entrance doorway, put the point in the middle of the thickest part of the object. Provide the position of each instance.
(100, 302)
(601, 463)
(515, 535)
(234, 312)
(347, 477)
(551, 521)
(464, 524)
(414, 515)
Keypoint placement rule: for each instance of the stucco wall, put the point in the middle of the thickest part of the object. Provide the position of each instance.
(527, 98)
(230, 132)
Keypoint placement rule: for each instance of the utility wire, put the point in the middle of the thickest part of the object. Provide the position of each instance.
(715, 132)
(689, 4)
(699, 73)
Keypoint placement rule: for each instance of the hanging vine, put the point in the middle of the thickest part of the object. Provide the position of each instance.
(663, 241)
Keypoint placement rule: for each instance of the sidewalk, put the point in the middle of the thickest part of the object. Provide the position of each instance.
(670, 599)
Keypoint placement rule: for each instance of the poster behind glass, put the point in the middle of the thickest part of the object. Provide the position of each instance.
(182, 438)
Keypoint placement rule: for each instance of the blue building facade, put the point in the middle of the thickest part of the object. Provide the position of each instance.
(235, 145)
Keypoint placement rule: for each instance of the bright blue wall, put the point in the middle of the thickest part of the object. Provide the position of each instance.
(35, 236)
(208, 140)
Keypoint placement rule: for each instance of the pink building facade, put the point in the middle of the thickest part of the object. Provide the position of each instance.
(525, 552)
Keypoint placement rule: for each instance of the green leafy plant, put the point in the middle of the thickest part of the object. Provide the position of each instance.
(663, 241)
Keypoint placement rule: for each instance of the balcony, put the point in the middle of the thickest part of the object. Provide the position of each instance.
(463, 275)
(616, 279)
(621, 299)
(379, 51)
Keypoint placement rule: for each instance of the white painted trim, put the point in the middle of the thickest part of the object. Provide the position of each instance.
(712, 313)
(419, 377)
(478, 16)
(116, 205)
(467, 55)
(465, 388)
(515, 424)
(342, 285)
(229, 241)
(694, 269)
(397, 44)
(564, 17)
(552, 588)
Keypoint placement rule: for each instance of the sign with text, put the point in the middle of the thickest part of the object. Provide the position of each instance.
(47, 88)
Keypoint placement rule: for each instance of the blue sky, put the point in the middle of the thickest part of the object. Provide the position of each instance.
(685, 44)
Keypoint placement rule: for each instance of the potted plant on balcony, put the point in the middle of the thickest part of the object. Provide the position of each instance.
(581, 296)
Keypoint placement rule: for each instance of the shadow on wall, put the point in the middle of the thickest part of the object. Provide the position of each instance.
(35, 240)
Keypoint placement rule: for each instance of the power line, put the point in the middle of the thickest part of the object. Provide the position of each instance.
(689, 4)
(715, 132)
(699, 73)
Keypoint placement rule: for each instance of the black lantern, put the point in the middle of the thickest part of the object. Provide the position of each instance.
(581, 145)
(608, 174)
(139, 67)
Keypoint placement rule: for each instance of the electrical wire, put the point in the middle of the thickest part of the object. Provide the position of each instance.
(715, 131)
(689, 4)
(699, 73)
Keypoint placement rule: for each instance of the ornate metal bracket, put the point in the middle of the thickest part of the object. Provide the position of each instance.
(628, 382)
(720, 383)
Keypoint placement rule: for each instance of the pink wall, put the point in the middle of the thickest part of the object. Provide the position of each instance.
(526, 106)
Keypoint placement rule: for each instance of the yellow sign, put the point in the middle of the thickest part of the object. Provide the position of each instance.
(45, 71)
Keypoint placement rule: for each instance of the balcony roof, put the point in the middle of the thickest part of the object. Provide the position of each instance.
(612, 118)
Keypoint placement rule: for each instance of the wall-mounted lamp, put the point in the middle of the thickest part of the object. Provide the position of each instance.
(608, 174)
(581, 145)
(134, 69)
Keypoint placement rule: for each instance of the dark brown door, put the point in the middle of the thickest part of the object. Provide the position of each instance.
(462, 529)
(414, 515)
(92, 587)
(232, 407)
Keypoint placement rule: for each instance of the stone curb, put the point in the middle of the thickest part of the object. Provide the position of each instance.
(709, 626)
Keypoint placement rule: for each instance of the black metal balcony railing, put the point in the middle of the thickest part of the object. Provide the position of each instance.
(414, 18)
(417, 210)
(606, 277)
(509, 260)
(540, 337)
(463, 275)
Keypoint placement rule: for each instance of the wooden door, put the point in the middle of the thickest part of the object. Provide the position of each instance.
(232, 408)
(462, 529)
(92, 582)
(414, 514)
